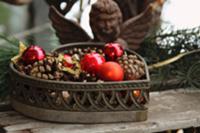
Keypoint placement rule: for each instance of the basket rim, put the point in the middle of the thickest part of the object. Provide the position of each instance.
(146, 80)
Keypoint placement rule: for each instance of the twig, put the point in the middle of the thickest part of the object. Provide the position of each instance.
(171, 60)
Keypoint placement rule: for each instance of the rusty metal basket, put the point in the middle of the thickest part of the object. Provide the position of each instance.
(78, 102)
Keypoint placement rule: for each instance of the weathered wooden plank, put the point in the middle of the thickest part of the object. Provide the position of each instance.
(167, 110)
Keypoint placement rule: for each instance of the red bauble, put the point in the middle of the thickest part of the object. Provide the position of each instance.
(91, 62)
(137, 93)
(139, 97)
(32, 54)
(68, 61)
(113, 51)
(111, 71)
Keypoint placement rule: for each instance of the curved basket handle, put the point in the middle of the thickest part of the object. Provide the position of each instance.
(57, 3)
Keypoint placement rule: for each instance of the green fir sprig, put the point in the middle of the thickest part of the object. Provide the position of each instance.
(167, 44)
(8, 49)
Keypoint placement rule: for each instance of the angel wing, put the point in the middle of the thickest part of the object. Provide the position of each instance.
(134, 30)
(68, 31)
(129, 8)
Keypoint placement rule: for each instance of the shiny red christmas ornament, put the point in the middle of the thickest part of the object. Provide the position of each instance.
(113, 51)
(67, 61)
(111, 71)
(91, 62)
(32, 54)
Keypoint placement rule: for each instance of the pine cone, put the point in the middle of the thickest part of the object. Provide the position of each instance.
(82, 51)
(45, 69)
(86, 77)
(133, 67)
(105, 20)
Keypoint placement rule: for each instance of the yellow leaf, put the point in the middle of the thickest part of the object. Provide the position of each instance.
(15, 59)
(22, 48)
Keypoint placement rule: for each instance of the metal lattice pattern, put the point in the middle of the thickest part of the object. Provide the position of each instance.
(81, 100)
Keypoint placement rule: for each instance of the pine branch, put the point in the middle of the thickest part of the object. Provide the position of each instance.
(12, 41)
(165, 45)
(7, 51)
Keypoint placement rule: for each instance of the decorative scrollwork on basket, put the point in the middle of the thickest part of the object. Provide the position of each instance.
(81, 100)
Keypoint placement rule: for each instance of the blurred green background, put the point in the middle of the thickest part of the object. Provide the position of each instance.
(18, 20)
(4, 17)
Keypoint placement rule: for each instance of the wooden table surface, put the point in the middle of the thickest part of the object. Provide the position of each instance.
(167, 110)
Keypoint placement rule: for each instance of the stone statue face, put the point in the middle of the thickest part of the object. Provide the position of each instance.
(107, 31)
(105, 20)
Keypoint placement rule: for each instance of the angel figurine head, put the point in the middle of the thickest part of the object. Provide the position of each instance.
(107, 24)
(105, 20)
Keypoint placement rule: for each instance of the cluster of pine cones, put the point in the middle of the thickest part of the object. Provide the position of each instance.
(44, 69)
(51, 68)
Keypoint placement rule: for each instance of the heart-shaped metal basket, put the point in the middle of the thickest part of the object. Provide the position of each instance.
(78, 102)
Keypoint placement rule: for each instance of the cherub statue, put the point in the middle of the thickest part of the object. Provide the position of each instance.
(107, 24)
